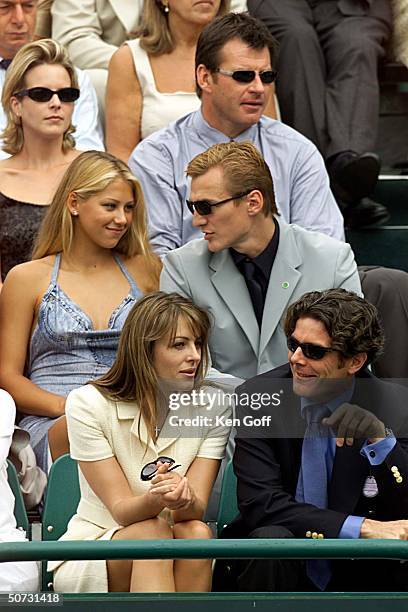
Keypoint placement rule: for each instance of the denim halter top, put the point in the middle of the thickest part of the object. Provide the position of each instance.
(65, 350)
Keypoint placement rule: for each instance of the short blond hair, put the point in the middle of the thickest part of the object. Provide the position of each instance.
(244, 170)
(33, 54)
(153, 31)
(89, 174)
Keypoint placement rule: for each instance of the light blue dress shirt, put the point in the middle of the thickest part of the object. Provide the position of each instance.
(301, 183)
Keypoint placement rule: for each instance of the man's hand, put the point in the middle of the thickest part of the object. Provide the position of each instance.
(350, 422)
(390, 530)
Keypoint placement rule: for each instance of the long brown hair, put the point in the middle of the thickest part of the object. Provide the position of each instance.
(132, 377)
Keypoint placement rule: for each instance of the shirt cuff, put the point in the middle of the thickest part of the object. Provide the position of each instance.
(377, 452)
(351, 527)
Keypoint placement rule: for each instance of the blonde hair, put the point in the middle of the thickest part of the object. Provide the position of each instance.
(33, 54)
(244, 170)
(132, 377)
(89, 174)
(153, 31)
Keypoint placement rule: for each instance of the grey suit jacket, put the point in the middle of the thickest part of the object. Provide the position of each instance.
(93, 29)
(305, 261)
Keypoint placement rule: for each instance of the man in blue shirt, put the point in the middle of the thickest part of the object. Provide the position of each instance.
(330, 465)
(234, 74)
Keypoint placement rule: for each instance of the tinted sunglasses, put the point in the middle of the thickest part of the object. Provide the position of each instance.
(311, 351)
(43, 94)
(149, 471)
(247, 76)
(203, 207)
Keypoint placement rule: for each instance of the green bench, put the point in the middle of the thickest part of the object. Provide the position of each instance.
(20, 512)
(61, 501)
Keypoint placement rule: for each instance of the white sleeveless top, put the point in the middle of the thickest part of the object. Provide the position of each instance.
(158, 109)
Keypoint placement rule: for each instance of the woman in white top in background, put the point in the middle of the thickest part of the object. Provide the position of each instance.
(151, 79)
(14, 575)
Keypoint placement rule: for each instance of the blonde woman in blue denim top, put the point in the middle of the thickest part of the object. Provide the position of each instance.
(61, 314)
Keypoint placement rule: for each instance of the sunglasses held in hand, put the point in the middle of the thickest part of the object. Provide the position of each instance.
(149, 471)
(43, 94)
(310, 351)
(247, 76)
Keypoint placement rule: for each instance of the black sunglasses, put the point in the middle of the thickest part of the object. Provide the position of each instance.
(149, 471)
(247, 76)
(311, 351)
(203, 207)
(43, 94)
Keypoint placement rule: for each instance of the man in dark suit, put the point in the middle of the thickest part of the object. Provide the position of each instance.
(333, 461)
(328, 87)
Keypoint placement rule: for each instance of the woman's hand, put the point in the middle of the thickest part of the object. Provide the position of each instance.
(174, 490)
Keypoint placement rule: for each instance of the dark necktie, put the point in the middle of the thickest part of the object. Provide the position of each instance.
(254, 288)
(5, 63)
(313, 482)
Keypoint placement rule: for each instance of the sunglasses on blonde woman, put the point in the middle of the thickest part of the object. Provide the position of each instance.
(43, 94)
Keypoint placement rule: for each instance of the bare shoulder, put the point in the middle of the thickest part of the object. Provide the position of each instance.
(72, 154)
(8, 168)
(32, 276)
(122, 59)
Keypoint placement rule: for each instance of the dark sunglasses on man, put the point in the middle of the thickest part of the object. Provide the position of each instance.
(310, 351)
(247, 76)
(204, 207)
(43, 94)
(149, 471)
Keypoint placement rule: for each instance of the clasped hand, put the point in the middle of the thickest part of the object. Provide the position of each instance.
(173, 489)
(351, 422)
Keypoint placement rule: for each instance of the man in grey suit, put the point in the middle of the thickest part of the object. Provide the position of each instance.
(249, 266)
(328, 87)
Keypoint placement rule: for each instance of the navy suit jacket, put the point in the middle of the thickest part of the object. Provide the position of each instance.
(267, 468)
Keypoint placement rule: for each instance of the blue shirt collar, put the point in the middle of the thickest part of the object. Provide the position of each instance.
(214, 136)
(333, 404)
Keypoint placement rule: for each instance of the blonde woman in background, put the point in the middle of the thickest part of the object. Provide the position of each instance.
(38, 99)
(142, 475)
(151, 79)
(61, 314)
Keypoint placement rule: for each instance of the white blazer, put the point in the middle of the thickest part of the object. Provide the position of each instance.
(93, 29)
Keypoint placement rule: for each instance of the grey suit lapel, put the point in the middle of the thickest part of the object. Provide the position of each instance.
(282, 283)
(231, 287)
(126, 12)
